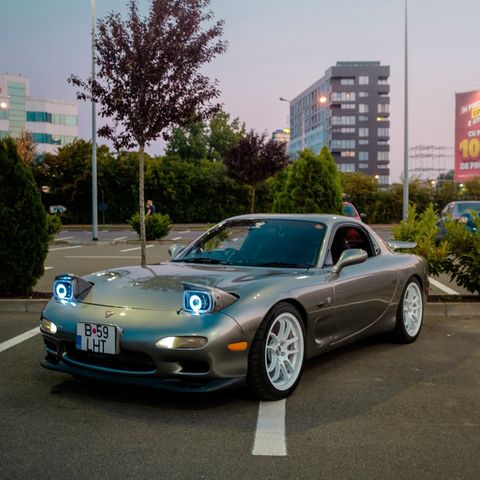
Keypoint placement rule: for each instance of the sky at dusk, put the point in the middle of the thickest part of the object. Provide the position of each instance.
(277, 48)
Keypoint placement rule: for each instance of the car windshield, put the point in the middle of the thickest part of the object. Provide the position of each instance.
(259, 243)
(348, 210)
(467, 207)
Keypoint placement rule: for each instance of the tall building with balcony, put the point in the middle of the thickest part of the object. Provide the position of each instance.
(348, 110)
(52, 123)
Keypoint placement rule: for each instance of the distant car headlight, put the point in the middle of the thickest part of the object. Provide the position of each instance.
(199, 300)
(67, 287)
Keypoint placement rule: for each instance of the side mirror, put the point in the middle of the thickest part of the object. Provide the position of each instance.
(363, 217)
(175, 249)
(352, 256)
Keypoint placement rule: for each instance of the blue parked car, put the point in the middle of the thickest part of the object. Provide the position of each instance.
(460, 212)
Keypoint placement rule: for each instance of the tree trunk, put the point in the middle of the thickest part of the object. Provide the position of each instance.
(252, 206)
(141, 193)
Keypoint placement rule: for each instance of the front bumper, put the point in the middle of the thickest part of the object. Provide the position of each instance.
(140, 361)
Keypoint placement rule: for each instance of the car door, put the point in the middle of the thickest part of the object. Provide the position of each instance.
(362, 292)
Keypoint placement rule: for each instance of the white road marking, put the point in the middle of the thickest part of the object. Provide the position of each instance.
(47, 268)
(442, 287)
(119, 238)
(135, 248)
(64, 238)
(270, 434)
(176, 238)
(186, 231)
(19, 339)
(64, 248)
(102, 256)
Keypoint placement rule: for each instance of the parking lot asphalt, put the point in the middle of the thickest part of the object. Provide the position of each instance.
(371, 410)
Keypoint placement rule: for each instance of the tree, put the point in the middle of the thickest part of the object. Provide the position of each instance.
(197, 141)
(252, 160)
(312, 185)
(472, 189)
(149, 75)
(23, 224)
(361, 189)
(68, 176)
(223, 135)
(27, 149)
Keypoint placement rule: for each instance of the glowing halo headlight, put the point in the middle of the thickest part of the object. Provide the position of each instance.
(63, 288)
(69, 286)
(197, 301)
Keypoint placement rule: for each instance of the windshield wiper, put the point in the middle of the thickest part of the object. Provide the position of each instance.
(280, 264)
(206, 260)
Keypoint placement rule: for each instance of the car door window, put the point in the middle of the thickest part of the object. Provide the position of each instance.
(349, 237)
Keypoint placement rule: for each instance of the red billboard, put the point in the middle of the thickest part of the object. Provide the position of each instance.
(467, 135)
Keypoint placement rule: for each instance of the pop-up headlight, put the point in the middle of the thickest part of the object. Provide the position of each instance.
(67, 287)
(198, 299)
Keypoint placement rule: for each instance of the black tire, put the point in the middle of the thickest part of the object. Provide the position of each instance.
(409, 312)
(266, 353)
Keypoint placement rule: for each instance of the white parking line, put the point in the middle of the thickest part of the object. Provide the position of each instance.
(47, 268)
(119, 238)
(186, 231)
(176, 238)
(442, 287)
(64, 238)
(64, 248)
(135, 248)
(19, 339)
(270, 434)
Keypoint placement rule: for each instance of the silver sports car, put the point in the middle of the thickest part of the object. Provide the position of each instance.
(249, 301)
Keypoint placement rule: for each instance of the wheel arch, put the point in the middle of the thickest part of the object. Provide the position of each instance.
(295, 303)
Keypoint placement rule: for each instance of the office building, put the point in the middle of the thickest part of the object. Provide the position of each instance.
(348, 111)
(52, 123)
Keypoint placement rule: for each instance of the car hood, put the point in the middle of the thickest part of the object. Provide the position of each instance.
(159, 287)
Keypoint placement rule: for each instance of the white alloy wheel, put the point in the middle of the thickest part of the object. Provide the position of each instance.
(284, 351)
(412, 309)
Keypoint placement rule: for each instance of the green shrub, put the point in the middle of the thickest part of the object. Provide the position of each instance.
(54, 225)
(463, 265)
(23, 224)
(311, 184)
(156, 225)
(422, 229)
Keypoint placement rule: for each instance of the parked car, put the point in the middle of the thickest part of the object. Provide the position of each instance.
(460, 212)
(349, 210)
(247, 302)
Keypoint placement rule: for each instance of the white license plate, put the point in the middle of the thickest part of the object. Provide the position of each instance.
(97, 338)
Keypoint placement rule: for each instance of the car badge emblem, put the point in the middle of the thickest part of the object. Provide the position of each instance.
(108, 313)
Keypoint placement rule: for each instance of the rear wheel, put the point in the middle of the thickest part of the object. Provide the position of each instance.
(410, 312)
(277, 354)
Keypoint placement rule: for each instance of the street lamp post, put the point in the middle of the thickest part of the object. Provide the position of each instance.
(94, 139)
(282, 99)
(405, 133)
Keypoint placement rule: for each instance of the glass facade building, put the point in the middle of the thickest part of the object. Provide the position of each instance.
(348, 111)
(52, 123)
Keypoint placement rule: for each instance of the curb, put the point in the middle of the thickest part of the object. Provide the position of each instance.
(432, 309)
(28, 305)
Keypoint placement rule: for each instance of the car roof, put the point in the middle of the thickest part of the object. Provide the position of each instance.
(326, 218)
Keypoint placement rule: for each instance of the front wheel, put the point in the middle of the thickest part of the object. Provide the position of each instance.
(277, 354)
(409, 313)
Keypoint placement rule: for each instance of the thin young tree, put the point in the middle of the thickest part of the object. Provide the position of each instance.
(253, 159)
(149, 75)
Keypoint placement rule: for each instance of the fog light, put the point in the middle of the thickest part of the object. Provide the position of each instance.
(182, 342)
(48, 326)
